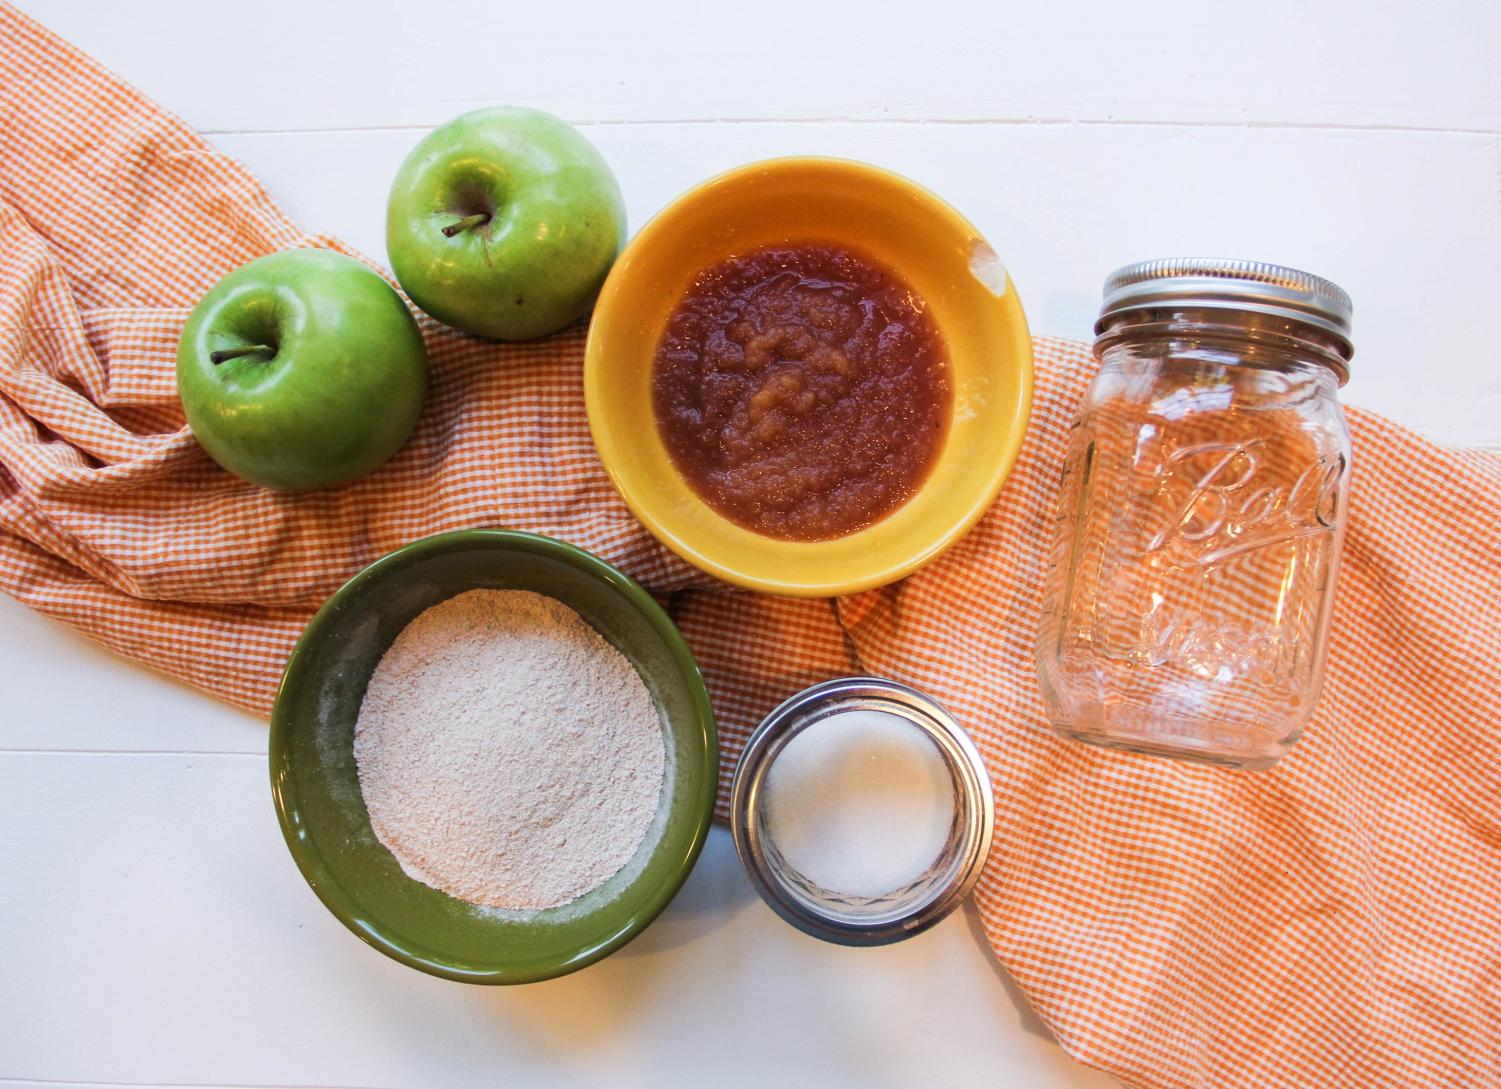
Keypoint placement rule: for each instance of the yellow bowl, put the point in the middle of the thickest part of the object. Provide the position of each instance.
(871, 211)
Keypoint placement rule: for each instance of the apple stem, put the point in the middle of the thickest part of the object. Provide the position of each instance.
(479, 219)
(235, 353)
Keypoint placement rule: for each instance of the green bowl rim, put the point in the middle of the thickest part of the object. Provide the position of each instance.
(316, 875)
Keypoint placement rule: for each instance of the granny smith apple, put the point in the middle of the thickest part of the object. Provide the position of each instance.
(302, 369)
(503, 223)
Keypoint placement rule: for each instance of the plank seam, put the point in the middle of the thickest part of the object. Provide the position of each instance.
(1038, 122)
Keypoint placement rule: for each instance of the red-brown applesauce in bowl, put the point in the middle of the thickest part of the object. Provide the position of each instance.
(802, 390)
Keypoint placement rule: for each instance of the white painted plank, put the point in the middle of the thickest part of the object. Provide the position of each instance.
(290, 64)
(59, 691)
(157, 931)
(1410, 223)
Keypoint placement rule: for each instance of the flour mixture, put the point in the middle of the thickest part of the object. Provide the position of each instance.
(508, 754)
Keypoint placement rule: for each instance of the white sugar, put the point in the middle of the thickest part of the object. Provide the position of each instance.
(860, 802)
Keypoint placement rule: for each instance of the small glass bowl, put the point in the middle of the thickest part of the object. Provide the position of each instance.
(900, 913)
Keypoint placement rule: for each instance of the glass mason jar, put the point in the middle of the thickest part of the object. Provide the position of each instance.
(1187, 599)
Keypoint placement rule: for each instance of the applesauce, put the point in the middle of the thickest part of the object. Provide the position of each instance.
(802, 390)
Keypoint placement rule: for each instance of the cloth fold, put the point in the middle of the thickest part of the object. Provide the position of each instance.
(1332, 922)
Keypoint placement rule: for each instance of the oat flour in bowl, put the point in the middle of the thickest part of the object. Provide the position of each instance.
(507, 753)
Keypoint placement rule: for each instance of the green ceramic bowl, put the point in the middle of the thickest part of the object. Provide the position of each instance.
(317, 792)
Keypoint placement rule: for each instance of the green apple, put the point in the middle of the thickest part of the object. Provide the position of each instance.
(301, 369)
(504, 222)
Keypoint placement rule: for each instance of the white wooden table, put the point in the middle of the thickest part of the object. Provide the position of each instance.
(153, 928)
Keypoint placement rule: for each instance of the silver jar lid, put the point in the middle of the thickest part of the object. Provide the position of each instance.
(1230, 284)
(841, 917)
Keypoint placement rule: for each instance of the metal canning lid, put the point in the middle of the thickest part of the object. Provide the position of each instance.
(841, 917)
(1230, 284)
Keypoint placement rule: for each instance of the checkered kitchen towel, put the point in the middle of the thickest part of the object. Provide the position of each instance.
(1333, 922)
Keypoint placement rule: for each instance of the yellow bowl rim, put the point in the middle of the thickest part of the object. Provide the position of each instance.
(594, 393)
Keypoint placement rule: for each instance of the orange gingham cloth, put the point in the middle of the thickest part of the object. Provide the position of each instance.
(1333, 922)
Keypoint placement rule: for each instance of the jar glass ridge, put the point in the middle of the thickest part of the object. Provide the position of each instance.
(1200, 517)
